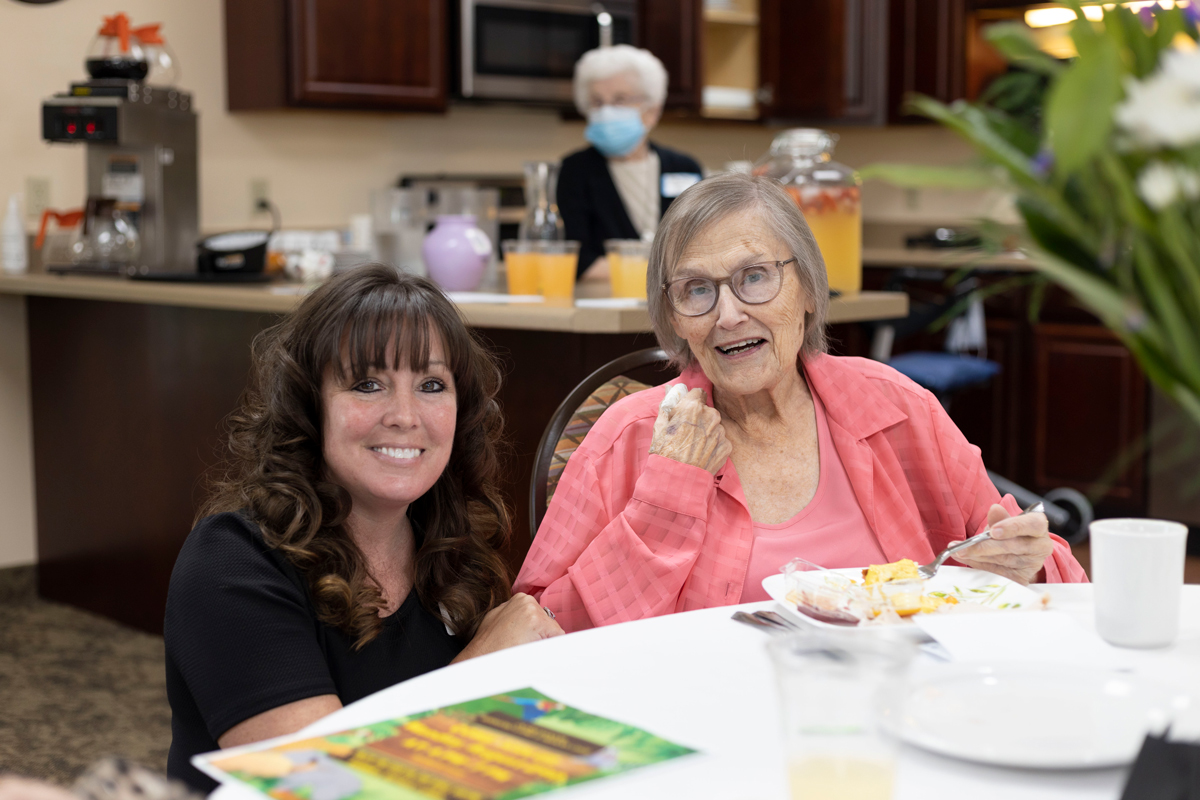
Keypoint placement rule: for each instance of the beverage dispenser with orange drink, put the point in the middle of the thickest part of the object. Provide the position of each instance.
(828, 193)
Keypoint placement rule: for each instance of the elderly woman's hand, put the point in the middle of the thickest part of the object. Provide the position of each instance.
(691, 433)
(1018, 548)
(517, 621)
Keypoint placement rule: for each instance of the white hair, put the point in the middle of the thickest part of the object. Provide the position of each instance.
(604, 62)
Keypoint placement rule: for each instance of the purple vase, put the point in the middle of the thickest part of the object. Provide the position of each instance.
(456, 253)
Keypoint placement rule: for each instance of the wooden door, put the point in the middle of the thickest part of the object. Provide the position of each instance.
(926, 52)
(1089, 411)
(368, 53)
(672, 30)
(823, 60)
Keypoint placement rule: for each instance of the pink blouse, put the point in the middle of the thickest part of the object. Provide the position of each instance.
(831, 530)
(631, 535)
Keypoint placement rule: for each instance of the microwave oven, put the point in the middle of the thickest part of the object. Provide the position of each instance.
(526, 50)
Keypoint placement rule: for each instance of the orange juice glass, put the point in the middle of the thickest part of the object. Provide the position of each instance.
(522, 262)
(628, 269)
(556, 268)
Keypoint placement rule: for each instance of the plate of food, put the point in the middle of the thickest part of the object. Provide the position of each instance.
(891, 595)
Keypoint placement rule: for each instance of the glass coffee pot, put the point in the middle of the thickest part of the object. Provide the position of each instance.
(163, 65)
(115, 52)
(829, 195)
(110, 238)
(542, 221)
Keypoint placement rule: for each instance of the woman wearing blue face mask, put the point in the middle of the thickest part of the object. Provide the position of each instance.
(619, 187)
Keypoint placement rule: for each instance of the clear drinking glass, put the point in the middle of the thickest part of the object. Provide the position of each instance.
(832, 683)
(556, 268)
(398, 220)
(522, 262)
(628, 260)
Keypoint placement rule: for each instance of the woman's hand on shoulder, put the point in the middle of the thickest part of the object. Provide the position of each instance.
(1017, 550)
(691, 433)
(520, 620)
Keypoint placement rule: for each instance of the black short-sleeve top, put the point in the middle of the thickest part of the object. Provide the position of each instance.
(243, 637)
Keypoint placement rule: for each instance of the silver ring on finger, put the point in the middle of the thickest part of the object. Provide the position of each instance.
(549, 613)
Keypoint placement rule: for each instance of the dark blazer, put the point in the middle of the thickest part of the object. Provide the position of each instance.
(592, 210)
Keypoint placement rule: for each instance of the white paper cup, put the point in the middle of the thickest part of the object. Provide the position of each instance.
(1137, 569)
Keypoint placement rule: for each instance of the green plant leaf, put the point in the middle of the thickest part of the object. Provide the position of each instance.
(1013, 41)
(1049, 235)
(1079, 107)
(975, 126)
(922, 176)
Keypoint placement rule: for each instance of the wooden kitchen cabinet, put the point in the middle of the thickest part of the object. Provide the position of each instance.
(672, 30)
(926, 52)
(1089, 414)
(823, 62)
(369, 54)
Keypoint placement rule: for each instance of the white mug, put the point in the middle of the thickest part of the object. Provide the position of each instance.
(1137, 569)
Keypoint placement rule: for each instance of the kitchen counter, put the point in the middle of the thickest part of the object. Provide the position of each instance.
(884, 246)
(282, 298)
(130, 382)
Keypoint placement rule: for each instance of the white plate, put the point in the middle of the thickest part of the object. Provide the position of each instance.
(1030, 716)
(975, 585)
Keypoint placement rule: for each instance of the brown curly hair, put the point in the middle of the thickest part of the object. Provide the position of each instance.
(275, 464)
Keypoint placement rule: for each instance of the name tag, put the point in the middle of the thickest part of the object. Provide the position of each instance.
(673, 183)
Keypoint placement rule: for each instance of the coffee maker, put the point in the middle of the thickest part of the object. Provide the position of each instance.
(141, 172)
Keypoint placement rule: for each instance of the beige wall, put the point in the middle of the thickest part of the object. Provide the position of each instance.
(322, 165)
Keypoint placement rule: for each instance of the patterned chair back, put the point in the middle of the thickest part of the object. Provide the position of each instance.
(582, 421)
(573, 419)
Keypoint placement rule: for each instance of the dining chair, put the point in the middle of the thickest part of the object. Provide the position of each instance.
(575, 417)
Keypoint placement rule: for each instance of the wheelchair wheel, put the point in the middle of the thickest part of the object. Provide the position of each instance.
(1080, 510)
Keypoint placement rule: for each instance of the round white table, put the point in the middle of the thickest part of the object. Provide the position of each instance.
(705, 681)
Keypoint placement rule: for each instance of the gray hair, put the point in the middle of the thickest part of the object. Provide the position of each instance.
(710, 202)
(604, 62)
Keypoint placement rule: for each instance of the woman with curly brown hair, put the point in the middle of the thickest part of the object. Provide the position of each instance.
(354, 541)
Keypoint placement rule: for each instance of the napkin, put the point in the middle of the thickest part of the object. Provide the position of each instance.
(1020, 636)
(1164, 771)
(493, 298)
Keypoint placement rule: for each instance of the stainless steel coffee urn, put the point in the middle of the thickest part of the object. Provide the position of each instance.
(142, 187)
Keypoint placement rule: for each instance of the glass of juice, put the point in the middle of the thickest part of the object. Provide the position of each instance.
(831, 684)
(556, 268)
(522, 263)
(627, 263)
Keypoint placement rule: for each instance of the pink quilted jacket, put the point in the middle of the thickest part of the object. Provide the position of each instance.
(630, 535)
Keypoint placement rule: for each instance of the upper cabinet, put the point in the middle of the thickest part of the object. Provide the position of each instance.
(673, 31)
(927, 52)
(369, 54)
(823, 61)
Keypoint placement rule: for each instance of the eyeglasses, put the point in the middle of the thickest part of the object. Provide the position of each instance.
(754, 284)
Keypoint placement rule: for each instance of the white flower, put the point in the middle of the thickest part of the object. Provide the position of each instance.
(1164, 109)
(1162, 184)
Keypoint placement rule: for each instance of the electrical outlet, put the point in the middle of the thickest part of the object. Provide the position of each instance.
(260, 191)
(37, 197)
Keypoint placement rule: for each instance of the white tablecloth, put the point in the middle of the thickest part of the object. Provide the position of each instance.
(705, 681)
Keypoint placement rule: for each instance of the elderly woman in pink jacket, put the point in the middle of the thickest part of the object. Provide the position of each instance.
(776, 450)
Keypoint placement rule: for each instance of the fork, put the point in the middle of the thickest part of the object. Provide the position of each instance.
(927, 571)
